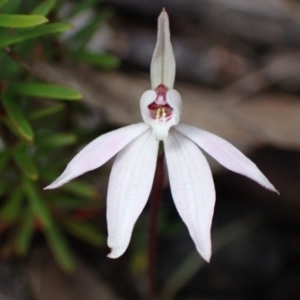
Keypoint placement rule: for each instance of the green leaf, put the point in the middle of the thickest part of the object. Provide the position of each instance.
(31, 33)
(44, 8)
(12, 128)
(60, 248)
(37, 203)
(103, 60)
(25, 233)
(47, 111)
(45, 90)
(25, 163)
(2, 2)
(4, 158)
(56, 140)
(85, 231)
(21, 21)
(11, 210)
(18, 121)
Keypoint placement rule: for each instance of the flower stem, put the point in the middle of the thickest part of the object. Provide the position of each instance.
(155, 198)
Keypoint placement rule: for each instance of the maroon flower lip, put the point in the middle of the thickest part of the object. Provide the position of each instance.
(159, 109)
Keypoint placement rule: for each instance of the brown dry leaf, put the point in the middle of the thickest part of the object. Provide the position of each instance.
(276, 116)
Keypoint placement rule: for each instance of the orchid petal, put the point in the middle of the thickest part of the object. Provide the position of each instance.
(192, 188)
(98, 152)
(225, 153)
(147, 98)
(129, 187)
(163, 61)
(175, 101)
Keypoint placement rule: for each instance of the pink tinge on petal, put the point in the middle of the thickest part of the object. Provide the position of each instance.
(192, 188)
(225, 153)
(129, 187)
(98, 152)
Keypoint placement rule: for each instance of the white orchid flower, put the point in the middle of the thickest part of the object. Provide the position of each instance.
(133, 171)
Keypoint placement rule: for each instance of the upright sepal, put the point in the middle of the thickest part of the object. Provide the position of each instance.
(163, 61)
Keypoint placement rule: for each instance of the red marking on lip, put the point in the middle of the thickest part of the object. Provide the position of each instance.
(155, 106)
(160, 103)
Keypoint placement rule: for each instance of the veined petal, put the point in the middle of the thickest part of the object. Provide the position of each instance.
(192, 188)
(225, 153)
(98, 152)
(163, 62)
(129, 187)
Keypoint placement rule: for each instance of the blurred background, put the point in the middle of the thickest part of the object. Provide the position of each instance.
(238, 71)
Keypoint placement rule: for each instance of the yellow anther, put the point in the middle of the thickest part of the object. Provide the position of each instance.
(164, 114)
(158, 113)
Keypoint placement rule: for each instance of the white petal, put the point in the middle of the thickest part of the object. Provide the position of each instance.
(175, 101)
(192, 188)
(147, 98)
(98, 152)
(225, 153)
(163, 62)
(129, 187)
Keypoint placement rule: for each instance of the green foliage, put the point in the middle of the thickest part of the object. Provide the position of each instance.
(82, 6)
(79, 41)
(11, 210)
(36, 203)
(57, 140)
(25, 162)
(37, 132)
(10, 6)
(4, 157)
(2, 2)
(4, 188)
(16, 117)
(25, 233)
(84, 231)
(31, 33)
(82, 37)
(45, 90)
(80, 189)
(103, 60)
(47, 111)
(19, 21)
(60, 248)
(44, 8)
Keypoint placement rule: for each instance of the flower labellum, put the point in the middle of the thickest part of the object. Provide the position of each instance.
(136, 147)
